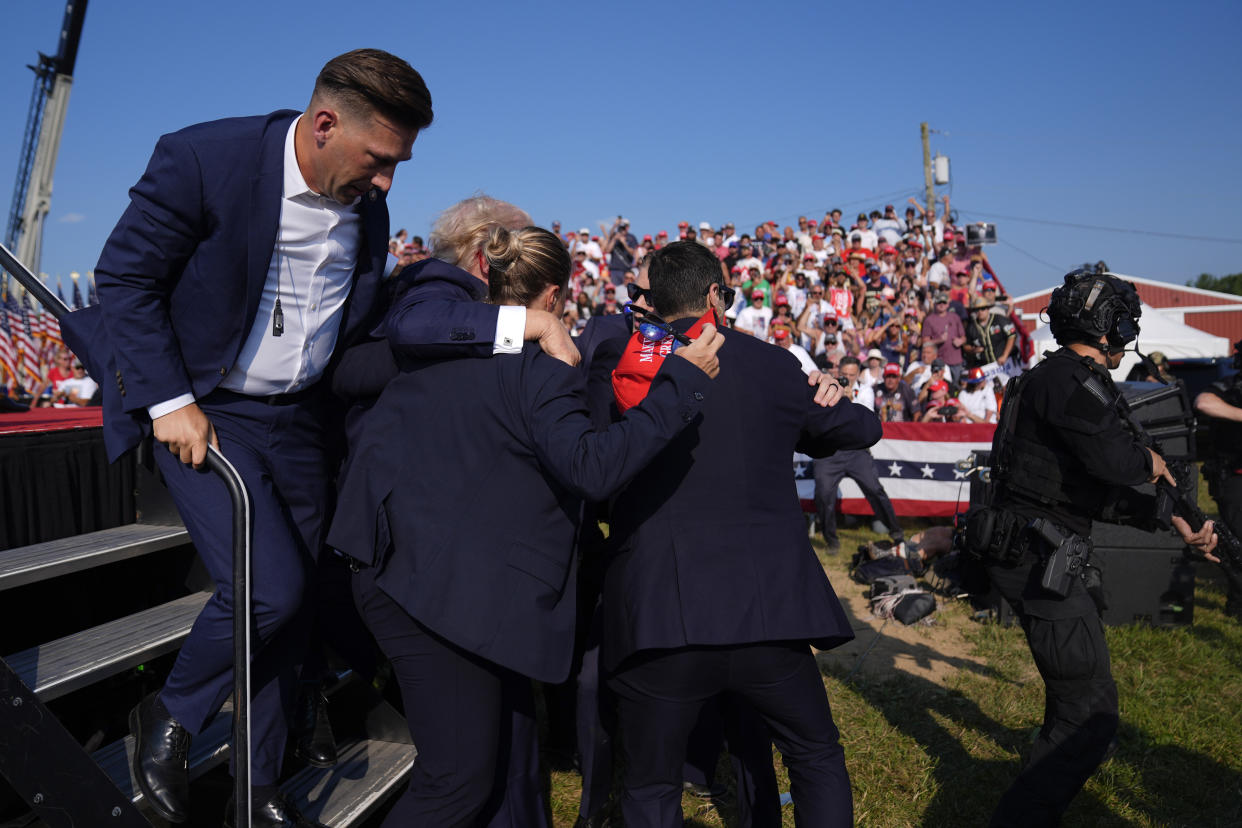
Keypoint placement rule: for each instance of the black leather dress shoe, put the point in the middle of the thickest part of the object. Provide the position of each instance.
(598, 820)
(160, 764)
(311, 730)
(702, 791)
(277, 812)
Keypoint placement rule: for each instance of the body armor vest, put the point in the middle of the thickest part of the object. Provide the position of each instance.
(1043, 473)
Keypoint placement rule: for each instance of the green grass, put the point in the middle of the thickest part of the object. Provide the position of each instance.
(921, 753)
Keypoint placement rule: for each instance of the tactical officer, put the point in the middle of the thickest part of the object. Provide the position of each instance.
(1222, 403)
(1061, 448)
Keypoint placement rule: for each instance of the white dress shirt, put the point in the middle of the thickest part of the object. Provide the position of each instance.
(311, 272)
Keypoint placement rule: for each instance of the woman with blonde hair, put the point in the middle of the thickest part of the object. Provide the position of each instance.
(472, 472)
(456, 242)
(427, 293)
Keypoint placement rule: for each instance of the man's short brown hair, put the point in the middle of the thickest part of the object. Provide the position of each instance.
(371, 79)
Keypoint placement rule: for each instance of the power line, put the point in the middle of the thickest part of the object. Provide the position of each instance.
(1033, 256)
(990, 214)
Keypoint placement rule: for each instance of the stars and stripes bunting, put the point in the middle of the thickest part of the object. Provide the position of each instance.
(917, 465)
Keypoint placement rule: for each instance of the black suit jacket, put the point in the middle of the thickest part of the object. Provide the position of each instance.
(464, 486)
(598, 331)
(710, 546)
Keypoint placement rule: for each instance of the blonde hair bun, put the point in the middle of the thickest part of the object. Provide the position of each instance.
(502, 249)
(522, 263)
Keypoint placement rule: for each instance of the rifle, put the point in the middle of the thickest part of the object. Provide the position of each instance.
(1176, 500)
(1180, 500)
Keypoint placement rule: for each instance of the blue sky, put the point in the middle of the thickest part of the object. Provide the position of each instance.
(1122, 115)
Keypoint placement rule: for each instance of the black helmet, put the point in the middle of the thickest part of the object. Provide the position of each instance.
(1094, 303)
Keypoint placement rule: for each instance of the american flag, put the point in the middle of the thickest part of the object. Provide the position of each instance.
(51, 332)
(44, 326)
(916, 464)
(34, 318)
(8, 351)
(51, 326)
(91, 296)
(77, 293)
(19, 328)
(31, 353)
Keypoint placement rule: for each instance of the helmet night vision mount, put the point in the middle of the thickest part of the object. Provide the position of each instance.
(1094, 303)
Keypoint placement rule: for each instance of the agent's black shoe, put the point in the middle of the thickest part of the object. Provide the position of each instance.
(313, 741)
(561, 759)
(161, 759)
(599, 820)
(277, 812)
(702, 791)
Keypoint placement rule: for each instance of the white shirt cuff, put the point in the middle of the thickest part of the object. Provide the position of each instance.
(510, 329)
(169, 406)
(389, 264)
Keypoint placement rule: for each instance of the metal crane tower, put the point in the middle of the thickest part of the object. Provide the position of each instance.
(32, 192)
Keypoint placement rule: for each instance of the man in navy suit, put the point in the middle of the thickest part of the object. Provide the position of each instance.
(602, 342)
(252, 250)
(712, 586)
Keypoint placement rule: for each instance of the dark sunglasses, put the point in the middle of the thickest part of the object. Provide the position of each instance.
(727, 294)
(636, 293)
(654, 329)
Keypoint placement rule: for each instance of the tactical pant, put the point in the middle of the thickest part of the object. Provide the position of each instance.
(1066, 637)
(1229, 501)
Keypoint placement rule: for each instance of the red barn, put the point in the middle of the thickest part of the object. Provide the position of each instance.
(1219, 314)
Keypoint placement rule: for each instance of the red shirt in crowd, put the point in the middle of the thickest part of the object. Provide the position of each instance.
(842, 301)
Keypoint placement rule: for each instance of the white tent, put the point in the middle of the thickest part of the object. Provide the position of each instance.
(1157, 332)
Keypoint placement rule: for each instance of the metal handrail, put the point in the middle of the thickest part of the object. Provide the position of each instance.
(21, 273)
(242, 626)
(242, 540)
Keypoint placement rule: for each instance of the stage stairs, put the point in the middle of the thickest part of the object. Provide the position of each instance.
(45, 763)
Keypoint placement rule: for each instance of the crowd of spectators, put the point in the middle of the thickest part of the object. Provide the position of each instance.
(63, 383)
(67, 384)
(922, 311)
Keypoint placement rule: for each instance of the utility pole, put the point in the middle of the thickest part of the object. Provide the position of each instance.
(927, 169)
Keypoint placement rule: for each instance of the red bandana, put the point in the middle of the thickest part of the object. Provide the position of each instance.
(641, 360)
